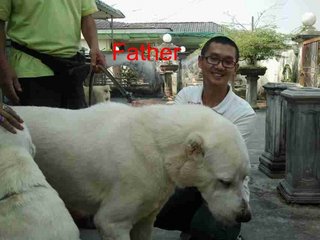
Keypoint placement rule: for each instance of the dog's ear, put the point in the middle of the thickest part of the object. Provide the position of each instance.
(195, 145)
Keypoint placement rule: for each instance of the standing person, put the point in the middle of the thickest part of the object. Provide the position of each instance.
(48, 27)
(185, 210)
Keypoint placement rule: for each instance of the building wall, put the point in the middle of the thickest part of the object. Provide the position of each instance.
(104, 44)
(277, 68)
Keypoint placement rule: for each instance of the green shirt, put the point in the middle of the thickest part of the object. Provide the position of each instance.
(49, 26)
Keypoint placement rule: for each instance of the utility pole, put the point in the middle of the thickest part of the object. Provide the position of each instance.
(252, 23)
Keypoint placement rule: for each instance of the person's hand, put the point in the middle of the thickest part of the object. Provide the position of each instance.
(97, 58)
(9, 83)
(144, 102)
(137, 103)
(9, 119)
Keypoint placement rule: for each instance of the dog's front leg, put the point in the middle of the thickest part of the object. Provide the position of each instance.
(142, 230)
(110, 230)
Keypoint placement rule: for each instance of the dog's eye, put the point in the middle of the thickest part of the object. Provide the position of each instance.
(225, 183)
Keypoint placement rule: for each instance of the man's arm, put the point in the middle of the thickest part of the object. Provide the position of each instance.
(245, 125)
(89, 31)
(8, 79)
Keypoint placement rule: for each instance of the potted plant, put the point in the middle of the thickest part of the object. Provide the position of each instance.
(258, 44)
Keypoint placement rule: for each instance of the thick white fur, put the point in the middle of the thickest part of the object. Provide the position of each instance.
(99, 94)
(122, 163)
(30, 209)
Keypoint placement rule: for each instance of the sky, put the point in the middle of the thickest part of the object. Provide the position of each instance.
(286, 14)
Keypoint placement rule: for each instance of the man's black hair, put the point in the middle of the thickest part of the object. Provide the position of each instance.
(222, 40)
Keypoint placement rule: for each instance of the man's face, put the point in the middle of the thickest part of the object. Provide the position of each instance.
(218, 64)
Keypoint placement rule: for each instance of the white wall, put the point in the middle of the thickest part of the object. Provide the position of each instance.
(104, 44)
(275, 67)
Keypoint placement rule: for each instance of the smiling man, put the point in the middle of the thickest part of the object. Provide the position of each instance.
(219, 63)
(186, 210)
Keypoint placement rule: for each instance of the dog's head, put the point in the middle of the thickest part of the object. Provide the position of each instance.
(217, 163)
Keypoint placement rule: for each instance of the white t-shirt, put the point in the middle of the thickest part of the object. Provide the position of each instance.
(234, 108)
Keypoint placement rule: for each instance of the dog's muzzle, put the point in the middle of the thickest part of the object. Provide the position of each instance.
(245, 214)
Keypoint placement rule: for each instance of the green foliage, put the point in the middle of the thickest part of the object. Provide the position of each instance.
(260, 44)
(129, 73)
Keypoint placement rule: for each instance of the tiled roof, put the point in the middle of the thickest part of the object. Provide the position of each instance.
(173, 26)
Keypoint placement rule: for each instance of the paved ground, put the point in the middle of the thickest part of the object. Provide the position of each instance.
(273, 219)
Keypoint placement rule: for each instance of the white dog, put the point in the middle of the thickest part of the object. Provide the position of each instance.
(99, 94)
(121, 163)
(29, 208)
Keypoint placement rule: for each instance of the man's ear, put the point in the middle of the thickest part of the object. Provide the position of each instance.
(194, 145)
(236, 68)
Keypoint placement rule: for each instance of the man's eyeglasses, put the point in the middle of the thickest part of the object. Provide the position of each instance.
(227, 63)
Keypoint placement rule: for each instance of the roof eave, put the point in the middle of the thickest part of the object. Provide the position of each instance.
(106, 11)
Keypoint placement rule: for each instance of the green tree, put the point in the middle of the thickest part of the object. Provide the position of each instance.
(259, 44)
(130, 75)
(261, 41)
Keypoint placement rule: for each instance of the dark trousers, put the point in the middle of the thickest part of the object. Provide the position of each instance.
(178, 212)
(186, 211)
(52, 91)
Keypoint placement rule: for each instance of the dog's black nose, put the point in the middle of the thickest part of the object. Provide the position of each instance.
(245, 213)
(244, 217)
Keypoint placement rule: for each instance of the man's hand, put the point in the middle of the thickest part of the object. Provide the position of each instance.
(97, 58)
(9, 82)
(145, 102)
(9, 119)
